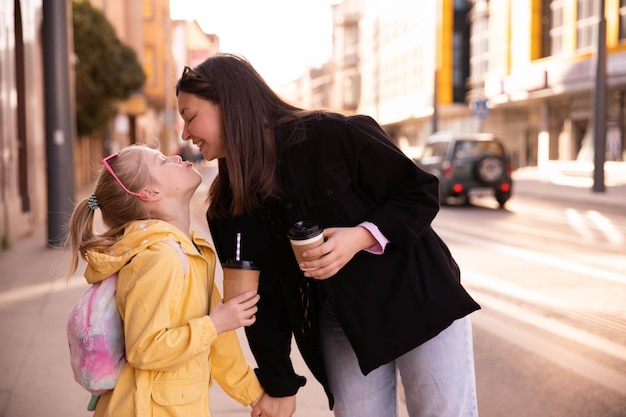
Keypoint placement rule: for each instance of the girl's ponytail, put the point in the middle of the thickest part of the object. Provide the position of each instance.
(81, 230)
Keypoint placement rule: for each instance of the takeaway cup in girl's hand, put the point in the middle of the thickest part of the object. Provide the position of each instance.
(304, 235)
(239, 275)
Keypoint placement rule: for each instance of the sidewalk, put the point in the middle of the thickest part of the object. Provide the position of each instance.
(35, 374)
(562, 183)
(35, 300)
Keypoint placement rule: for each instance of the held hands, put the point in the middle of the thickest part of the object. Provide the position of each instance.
(267, 406)
(236, 312)
(341, 244)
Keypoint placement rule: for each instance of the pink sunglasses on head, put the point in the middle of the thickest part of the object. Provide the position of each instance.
(105, 162)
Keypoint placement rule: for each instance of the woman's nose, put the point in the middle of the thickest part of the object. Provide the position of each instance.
(185, 134)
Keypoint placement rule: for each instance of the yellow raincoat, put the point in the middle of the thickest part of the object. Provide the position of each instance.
(172, 349)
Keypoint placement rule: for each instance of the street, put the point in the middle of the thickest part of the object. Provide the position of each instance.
(551, 337)
(548, 271)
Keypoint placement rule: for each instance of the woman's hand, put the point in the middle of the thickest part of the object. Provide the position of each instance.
(236, 312)
(255, 402)
(341, 244)
(268, 406)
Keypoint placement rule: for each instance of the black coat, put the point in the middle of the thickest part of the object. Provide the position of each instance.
(345, 172)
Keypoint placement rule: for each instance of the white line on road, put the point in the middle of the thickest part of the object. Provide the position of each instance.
(476, 279)
(567, 359)
(553, 326)
(605, 225)
(577, 221)
(554, 261)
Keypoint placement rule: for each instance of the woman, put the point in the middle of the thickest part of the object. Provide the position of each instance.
(384, 292)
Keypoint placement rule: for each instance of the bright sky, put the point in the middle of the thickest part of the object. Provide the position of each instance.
(281, 38)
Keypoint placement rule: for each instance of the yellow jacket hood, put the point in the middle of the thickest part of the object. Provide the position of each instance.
(138, 235)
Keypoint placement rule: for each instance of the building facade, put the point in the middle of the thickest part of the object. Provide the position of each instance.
(403, 63)
(150, 116)
(525, 70)
(23, 202)
(522, 69)
(539, 75)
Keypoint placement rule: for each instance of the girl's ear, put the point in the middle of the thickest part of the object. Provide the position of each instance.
(151, 195)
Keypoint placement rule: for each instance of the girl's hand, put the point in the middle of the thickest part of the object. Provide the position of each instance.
(255, 402)
(341, 244)
(268, 406)
(237, 312)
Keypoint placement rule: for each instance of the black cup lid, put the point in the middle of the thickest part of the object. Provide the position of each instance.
(303, 229)
(234, 264)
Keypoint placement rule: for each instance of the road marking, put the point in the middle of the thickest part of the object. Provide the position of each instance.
(577, 221)
(554, 261)
(478, 280)
(567, 359)
(553, 326)
(605, 225)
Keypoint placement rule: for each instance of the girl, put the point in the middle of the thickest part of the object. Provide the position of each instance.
(384, 292)
(177, 331)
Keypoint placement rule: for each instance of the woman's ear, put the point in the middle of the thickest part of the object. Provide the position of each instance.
(151, 195)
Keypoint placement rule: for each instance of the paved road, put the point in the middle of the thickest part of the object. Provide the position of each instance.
(35, 299)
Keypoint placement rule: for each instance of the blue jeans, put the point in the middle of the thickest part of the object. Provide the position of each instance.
(438, 376)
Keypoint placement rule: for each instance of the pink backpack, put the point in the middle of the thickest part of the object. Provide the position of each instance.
(95, 334)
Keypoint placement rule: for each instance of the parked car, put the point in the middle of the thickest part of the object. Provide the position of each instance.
(468, 165)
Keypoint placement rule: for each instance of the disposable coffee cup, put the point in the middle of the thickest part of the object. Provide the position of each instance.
(239, 277)
(303, 236)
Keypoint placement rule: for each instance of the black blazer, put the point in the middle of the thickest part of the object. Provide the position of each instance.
(346, 171)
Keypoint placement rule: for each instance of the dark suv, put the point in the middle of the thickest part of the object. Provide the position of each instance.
(468, 165)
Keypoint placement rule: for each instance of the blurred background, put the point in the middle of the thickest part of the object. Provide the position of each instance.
(81, 79)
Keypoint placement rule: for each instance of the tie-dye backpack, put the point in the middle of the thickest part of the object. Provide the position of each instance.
(95, 334)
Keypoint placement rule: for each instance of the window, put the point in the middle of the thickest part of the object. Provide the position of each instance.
(558, 29)
(586, 24)
(460, 53)
(546, 25)
(436, 150)
(479, 40)
(474, 149)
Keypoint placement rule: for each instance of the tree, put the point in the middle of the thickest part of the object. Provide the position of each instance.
(107, 71)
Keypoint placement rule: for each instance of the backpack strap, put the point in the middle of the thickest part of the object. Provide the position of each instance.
(182, 254)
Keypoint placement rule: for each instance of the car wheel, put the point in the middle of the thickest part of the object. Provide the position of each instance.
(489, 169)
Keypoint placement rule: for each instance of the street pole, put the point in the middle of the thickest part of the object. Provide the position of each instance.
(434, 120)
(59, 119)
(599, 104)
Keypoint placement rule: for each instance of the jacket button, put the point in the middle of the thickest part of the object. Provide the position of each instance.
(330, 192)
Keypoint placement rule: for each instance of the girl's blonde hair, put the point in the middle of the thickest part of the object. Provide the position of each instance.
(117, 207)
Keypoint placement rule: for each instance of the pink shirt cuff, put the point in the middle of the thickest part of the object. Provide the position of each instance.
(377, 248)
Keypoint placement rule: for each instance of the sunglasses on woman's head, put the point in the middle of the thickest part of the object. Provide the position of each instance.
(190, 74)
(105, 162)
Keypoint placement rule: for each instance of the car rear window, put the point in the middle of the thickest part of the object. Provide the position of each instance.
(474, 149)
(435, 149)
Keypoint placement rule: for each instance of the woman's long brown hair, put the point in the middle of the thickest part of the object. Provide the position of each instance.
(251, 112)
